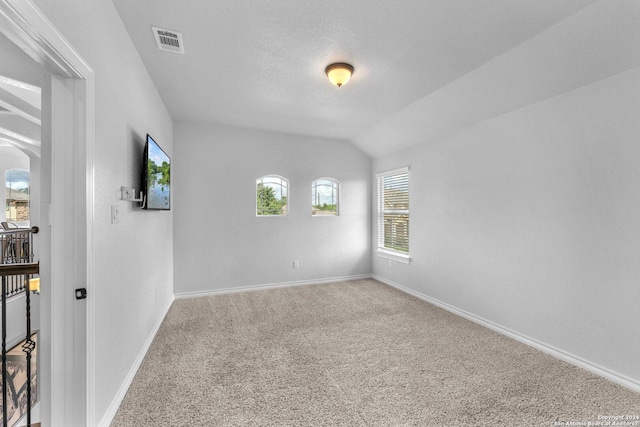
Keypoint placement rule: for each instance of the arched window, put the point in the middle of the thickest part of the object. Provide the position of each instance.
(325, 193)
(272, 193)
(17, 195)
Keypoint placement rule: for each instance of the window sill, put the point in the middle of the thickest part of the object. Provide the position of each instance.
(395, 256)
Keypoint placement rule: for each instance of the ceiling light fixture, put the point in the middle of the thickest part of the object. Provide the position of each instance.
(339, 73)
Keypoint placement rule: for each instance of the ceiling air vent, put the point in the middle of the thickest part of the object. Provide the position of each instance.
(168, 40)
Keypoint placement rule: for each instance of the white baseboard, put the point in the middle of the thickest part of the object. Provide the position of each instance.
(556, 352)
(117, 400)
(183, 295)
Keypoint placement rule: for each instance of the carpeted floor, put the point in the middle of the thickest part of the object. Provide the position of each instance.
(355, 353)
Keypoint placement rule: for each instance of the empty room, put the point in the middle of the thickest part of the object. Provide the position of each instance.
(298, 213)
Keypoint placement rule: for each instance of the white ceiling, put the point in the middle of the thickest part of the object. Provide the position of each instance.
(422, 67)
(20, 105)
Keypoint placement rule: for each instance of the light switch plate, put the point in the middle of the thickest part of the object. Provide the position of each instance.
(115, 214)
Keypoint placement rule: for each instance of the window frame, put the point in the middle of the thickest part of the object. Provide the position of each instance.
(288, 204)
(9, 199)
(335, 186)
(381, 250)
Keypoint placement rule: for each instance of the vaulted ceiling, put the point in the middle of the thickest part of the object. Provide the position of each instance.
(20, 115)
(422, 67)
(20, 100)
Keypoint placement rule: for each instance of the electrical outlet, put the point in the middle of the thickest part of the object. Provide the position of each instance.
(390, 263)
(296, 264)
(115, 214)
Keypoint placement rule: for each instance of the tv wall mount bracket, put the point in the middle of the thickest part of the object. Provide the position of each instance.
(129, 194)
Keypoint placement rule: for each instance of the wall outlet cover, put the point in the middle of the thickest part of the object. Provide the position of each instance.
(115, 214)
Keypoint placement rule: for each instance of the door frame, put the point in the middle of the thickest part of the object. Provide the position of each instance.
(24, 24)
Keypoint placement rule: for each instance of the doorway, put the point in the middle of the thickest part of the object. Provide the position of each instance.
(65, 215)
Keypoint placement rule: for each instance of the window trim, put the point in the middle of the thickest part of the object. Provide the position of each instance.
(381, 251)
(10, 199)
(256, 195)
(393, 255)
(338, 188)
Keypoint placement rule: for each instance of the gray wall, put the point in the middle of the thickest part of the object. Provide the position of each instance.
(531, 220)
(133, 260)
(219, 242)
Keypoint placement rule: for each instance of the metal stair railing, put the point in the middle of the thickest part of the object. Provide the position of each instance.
(16, 271)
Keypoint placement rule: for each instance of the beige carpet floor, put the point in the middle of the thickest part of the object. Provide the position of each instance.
(355, 353)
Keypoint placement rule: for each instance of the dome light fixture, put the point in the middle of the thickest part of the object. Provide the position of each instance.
(339, 73)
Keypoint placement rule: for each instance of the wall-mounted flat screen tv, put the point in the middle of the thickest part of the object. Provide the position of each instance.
(157, 176)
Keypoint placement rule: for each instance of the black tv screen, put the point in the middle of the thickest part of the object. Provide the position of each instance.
(157, 176)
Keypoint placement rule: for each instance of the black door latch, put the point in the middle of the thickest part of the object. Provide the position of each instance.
(81, 293)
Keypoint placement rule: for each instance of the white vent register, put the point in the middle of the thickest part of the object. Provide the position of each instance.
(168, 40)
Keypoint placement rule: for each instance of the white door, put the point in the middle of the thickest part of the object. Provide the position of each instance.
(67, 270)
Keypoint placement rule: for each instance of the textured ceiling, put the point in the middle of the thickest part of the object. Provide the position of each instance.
(422, 67)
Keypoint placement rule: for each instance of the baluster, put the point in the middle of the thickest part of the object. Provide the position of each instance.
(28, 347)
(4, 352)
(16, 269)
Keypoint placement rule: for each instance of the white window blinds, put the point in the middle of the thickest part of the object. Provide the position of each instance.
(393, 211)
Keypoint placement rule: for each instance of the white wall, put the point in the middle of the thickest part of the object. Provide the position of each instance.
(531, 220)
(133, 259)
(219, 241)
